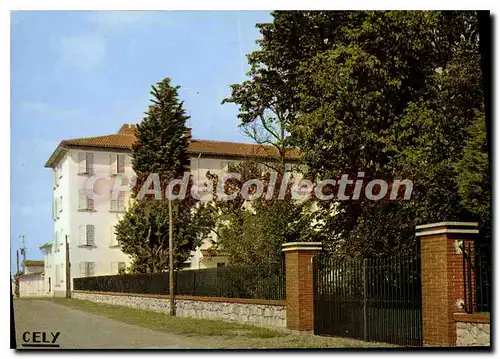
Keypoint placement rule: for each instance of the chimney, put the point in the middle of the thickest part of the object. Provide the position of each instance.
(127, 129)
(188, 133)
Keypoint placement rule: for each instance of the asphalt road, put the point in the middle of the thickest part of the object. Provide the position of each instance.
(81, 330)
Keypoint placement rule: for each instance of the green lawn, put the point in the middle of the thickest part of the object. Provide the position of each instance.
(215, 333)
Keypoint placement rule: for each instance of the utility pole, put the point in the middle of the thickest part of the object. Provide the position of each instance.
(68, 270)
(17, 262)
(23, 251)
(171, 259)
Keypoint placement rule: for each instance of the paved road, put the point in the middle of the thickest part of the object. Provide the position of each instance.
(81, 330)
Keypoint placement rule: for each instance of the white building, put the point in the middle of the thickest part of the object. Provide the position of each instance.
(89, 223)
(31, 282)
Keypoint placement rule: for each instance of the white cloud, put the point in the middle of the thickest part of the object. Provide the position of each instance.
(112, 19)
(84, 53)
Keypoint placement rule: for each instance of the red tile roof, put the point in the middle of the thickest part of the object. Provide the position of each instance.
(126, 138)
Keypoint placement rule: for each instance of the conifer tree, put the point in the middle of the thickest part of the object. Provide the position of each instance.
(161, 148)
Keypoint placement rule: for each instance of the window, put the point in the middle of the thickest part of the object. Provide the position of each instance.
(221, 264)
(57, 275)
(55, 209)
(87, 269)
(85, 203)
(56, 240)
(87, 235)
(62, 238)
(60, 204)
(86, 163)
(112, 237)
(117, 203)
(54, 179)
(116, 164)
(59, 172)
(117, 266)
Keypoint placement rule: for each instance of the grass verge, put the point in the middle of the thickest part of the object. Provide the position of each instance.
(215, 334)
(166, 323)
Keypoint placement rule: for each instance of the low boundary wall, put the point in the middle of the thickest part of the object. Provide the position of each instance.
(473, 329)
(248, 311)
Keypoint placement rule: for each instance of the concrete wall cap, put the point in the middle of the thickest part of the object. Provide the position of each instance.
(447, 224)
(301, 244)
(446, 230)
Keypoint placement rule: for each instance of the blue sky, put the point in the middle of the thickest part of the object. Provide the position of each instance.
(78, 74)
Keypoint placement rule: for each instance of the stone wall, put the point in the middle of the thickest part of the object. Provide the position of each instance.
(473, 329)
(256, 312)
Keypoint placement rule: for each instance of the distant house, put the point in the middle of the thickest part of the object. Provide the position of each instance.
(31, 281)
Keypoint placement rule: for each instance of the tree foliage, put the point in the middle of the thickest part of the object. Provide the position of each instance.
(391, 94)
(162, 142)
(251, 232)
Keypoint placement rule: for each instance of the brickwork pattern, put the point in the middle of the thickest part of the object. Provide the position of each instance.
(299, 290)
(442, 287)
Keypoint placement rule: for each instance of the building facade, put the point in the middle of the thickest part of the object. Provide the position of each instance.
(31, 281)
(92, 165)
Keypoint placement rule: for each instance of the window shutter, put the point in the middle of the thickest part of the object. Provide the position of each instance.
(114, 267)
(91, 268)
(82, 240)
(90, 163)
(90, 235)
(83, 267)
(121, 201)
(82, 199)
(121, 163)
(54, 178)
(112, 236)
(90, 203)
(113, 202)
(82, 162)
(112, 164)
(60, 204)
(62, 239)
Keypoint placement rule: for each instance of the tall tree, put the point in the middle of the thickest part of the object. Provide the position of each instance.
(161, 148)
(162, 141)
(365, 91)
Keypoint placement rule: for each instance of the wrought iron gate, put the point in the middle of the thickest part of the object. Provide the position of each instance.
(373, 299)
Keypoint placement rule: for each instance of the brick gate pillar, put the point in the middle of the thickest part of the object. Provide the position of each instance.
(442, 278)
(299, 284)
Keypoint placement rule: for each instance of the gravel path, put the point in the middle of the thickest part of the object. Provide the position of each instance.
(81, 330)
